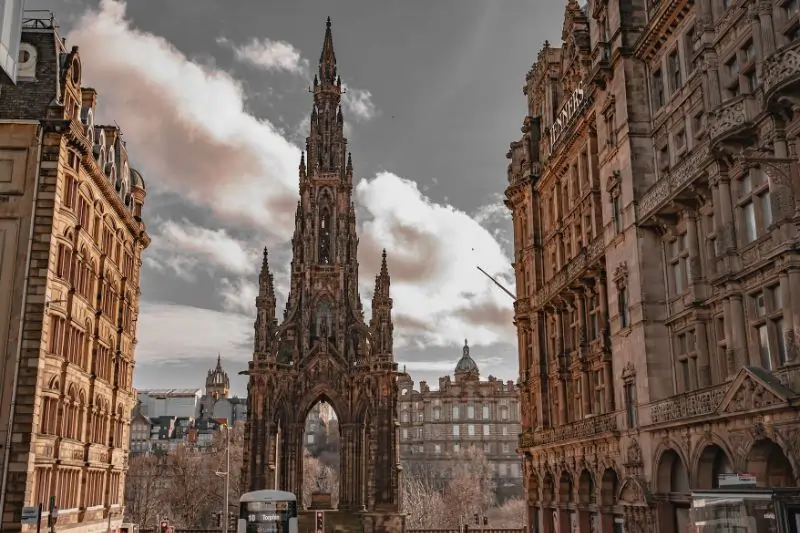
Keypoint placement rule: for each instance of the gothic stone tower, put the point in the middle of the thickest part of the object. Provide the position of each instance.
(323, 349)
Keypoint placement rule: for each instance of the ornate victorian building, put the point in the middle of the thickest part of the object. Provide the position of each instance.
(655, 193)
(71, 238)
(436, 424)
(323, 350)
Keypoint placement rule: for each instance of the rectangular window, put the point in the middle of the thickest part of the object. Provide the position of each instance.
(679, 256)
(456, 430)
(470, 412)
(437, 448)
(486, 430)
(755, 205)
(487, 448)
(622, 304)
(616, 213)
(766, 312)
(471, 430)
(688, 40)
(456, 447)
(486, 412)
(659, 98)
(598, 400)
(674, 65)
(630, 405)
(455, 412)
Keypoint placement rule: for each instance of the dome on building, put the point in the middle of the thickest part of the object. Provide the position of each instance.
(466, 363)
(137, 180)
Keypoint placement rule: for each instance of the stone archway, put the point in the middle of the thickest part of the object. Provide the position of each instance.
(770, 465)
(672, 493)
(711, 463)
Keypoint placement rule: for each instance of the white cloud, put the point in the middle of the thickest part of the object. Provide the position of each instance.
(358, 103)
(269, 55)
(186, 127)
(189, 246)
(169, 332)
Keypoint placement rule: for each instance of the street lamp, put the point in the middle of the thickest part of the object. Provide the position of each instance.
(227, 475)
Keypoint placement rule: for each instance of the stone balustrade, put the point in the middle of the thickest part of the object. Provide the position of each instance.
(780, 73)
(581, 429)
(732, 119)
(688, 405)
(570, 272)
(669, 184)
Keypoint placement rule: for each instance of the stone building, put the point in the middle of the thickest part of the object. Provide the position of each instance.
(654, 194)
(217, 402)
(71, 238)
(435, 424)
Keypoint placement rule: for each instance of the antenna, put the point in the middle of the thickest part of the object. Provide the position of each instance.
(497, 283)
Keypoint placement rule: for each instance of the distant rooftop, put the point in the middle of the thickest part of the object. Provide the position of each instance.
(169, 392)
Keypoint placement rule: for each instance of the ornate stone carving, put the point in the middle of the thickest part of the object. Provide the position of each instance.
(781, 68)
(729, 116)
(687, 405)
(750, 395)
(324, 350)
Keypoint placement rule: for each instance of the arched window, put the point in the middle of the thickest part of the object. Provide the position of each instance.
(324, 319)
(118, 428)
(48, 421)
(324, 237)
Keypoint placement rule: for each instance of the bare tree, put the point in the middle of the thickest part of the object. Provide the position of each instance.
(510, 515)
(316, 473)
(470, 490)
(423, 503)
(193, 491)
(144, 490)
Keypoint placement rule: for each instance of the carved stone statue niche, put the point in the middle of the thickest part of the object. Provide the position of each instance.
(325, 237)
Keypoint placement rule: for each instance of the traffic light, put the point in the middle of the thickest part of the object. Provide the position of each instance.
(320, 522)
(232, 521)
(485, 520)
(476, 519)
(164, 526)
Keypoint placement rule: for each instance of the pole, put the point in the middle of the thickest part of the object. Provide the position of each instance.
(497, 283)
(227, 475)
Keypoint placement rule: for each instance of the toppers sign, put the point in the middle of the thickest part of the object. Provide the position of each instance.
(571, 108)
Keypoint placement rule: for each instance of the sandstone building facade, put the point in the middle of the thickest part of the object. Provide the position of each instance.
(655, 194)
(71, 238)
(436, 424)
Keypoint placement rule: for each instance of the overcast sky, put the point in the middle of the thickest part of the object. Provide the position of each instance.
(212, 99)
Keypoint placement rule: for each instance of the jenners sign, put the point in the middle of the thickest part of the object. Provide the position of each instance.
(572, 107)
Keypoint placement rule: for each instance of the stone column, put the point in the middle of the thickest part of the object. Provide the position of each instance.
(559, 333)
(562, 402)
(738, 327)
(703, 360)
(602, 294)
(726, 230)
(767, 28)
(346, 466)
(695, 264)
(788, 315)
(608, 390)
(581, 307)
(586, 394)
(712, 77)
(730, 353)
(794, 302)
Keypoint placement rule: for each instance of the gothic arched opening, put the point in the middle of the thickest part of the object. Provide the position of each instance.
(672, 482)
(712, 463)
(770, 465)
(321, 454)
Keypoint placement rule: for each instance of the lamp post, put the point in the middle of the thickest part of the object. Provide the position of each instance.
(227, 475)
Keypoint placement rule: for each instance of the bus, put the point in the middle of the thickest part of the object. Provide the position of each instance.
(267, 511)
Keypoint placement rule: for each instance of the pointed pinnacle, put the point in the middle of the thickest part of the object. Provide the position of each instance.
(384, 267)
(328, 24)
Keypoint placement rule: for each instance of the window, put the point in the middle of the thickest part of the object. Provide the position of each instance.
(732, 87)
(455, 412)
(748, 60)
(664, 158)
(684, 348)
(456, 430)
(688, 40)
(486, 412)
(616, 213)
(436, 414)
(456, 447)
(404, 416)
(598, 402)
(405, 434)
(680, 140)
(622, 304)
(674, 65)
(678, 259)
(754, 204)
(487, 448)
(70, 191)
(504, 430)
(505, 447)
(471, 430)
(611, 129)
(630, 404)
(657, 82)
(767, 322)
(437, 448)
(486, 430)
(470, 412)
